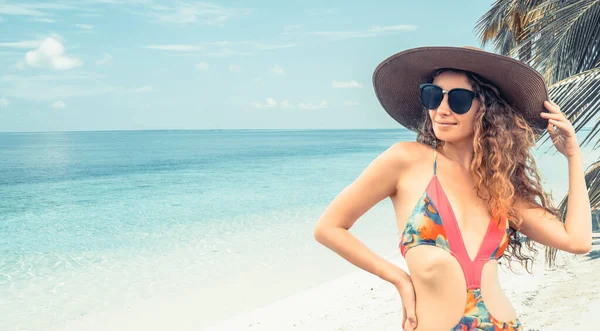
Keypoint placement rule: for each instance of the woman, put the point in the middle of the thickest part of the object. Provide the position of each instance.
(465, 189)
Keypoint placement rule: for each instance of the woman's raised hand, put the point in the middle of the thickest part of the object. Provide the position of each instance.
(563, 136)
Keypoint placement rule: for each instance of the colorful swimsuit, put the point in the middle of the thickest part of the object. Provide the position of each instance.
(433, 222)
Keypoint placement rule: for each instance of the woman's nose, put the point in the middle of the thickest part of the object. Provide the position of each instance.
(444, 107)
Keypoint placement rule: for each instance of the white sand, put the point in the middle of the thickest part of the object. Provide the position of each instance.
(564, 298)
(567, 297)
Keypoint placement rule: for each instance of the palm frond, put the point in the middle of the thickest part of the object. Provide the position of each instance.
(592, 182)
(503, 24)
(490, 23)
(579, 98)
(565, 38)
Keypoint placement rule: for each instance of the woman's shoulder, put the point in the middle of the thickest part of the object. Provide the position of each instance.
(412, 150)
(410, 153)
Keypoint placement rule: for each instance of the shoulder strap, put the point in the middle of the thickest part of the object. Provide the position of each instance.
(434, 159)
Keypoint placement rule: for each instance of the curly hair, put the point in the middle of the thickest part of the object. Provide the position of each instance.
(502, 165)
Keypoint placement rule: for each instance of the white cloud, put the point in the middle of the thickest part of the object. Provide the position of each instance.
(85, 26)
(44, 20)
(350, 103)
(88, 15)
(38, 11)
(371, 32)
(258, 79)
(275, 46)
(322, 104)
(173, 12)
(304, 105)
(53, 6)
(53, 78)
(202, 66)
(227, 52)
(144, 89)
(50, 55)
(225, 43)
(177, 47)
(22, 44)
(199, 12)
(59, 105)
(220, 48)
(3, 102)
(277, 70)
(349, 84)
(234, 68)
(105, 61)
(7, 9)
(286, 104)
(269, 103)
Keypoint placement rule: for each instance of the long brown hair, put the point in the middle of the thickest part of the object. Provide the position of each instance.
(502, 165)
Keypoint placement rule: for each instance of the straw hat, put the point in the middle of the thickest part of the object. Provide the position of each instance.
(396, 81)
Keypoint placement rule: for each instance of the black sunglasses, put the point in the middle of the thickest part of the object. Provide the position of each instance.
(459, 99)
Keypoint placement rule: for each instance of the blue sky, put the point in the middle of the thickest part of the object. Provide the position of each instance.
(144, 64)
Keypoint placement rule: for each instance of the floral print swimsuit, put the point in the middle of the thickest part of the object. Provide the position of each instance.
(433, 222)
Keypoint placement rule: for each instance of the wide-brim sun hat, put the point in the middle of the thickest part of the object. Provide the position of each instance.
(396, 81)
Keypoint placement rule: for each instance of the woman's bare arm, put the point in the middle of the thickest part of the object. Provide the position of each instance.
(573, 236)
(377, 182)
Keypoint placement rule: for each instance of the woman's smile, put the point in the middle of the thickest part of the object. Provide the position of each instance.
(445, 124)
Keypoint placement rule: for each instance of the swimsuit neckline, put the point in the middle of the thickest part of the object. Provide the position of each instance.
(454, 222)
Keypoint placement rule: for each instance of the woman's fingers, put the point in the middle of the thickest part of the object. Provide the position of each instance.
(554, 116)
(411, 319)
(552, 107)
(407, 295)
(560, 125)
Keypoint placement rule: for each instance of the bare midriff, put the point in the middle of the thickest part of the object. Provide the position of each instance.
(441, 291)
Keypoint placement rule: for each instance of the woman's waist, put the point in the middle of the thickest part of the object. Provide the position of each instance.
(444, 303)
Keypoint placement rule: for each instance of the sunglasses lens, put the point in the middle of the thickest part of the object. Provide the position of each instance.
(431, 96)
(460, 101)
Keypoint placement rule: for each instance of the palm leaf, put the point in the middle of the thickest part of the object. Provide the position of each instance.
(493, 26)
(579, 98)
(592, 182)
(503, 24)
(565, 38)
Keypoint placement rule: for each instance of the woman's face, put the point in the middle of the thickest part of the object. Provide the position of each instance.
(463, 125)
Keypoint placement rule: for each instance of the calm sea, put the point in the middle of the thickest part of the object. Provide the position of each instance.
(93, 220)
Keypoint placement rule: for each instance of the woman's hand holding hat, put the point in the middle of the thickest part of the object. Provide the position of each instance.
(563, 137)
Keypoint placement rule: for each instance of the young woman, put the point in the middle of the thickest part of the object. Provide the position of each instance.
(465, 190)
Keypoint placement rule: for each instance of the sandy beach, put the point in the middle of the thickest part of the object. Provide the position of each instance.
(565, 297)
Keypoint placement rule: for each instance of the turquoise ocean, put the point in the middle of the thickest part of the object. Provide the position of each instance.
(90, 221)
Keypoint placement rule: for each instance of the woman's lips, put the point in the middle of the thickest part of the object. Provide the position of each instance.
(442, 124)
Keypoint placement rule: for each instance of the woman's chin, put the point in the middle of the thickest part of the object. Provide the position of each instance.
(443, 134)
